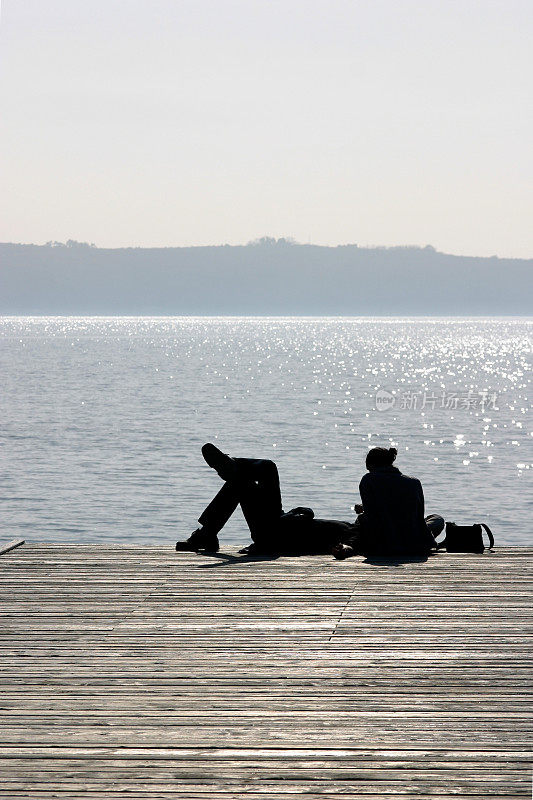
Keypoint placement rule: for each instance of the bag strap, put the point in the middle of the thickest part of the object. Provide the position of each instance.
(440, 545)
(489, 534)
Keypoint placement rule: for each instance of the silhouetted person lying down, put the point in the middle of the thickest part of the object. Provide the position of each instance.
(391, 521)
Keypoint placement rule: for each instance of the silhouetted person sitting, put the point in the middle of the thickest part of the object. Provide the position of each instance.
(254, 484)
(391, 522)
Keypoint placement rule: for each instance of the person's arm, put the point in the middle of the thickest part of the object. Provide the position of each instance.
(426, 533)
(367, 495)
(420, 496)
(359, 508)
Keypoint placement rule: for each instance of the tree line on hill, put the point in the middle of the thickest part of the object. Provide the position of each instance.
(265, 277)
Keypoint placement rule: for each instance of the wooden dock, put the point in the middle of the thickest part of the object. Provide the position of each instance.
(144, 673)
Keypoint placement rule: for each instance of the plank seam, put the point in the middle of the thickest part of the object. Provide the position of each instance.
(342, 613)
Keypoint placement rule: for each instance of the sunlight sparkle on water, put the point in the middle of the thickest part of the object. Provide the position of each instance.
(103, 418)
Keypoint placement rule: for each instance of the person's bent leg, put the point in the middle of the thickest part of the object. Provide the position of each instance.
(254, 483)
(212, 520)
(260, 499)
(221, 507)
(255, 486)
(264, 474)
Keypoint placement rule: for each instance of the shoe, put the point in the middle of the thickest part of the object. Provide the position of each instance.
(222, 463)
(199, 540)
(250, 550)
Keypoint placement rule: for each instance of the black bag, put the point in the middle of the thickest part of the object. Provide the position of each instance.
(299, 511)
(465, 538)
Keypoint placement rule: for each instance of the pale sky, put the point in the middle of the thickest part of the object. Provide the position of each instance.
(179, 122)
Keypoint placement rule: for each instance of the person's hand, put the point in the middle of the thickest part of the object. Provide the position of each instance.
(358, 508)
(342, 551)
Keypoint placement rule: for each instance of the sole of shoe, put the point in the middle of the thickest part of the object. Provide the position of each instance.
(212, 547)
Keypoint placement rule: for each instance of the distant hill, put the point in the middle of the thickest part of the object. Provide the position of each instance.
(265, 277)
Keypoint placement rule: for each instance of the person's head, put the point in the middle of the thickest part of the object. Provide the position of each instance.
(380, 457)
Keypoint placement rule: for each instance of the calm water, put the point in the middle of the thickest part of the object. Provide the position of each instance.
(102, 419)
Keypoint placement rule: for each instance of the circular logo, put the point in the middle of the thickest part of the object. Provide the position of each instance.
(384, 400)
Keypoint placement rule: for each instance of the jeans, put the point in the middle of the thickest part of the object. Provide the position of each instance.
(256, 488)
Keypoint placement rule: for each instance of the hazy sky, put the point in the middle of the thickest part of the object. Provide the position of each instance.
(176, 122)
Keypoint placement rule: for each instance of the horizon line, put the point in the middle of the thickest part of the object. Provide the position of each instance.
(377, 317)
(264, 241)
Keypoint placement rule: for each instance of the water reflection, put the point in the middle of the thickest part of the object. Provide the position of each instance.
(102, 418)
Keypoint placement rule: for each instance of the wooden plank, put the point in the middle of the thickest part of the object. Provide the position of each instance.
(6, 548)
(144, 673)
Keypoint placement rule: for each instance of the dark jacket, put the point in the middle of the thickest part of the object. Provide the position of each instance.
(393, 518)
